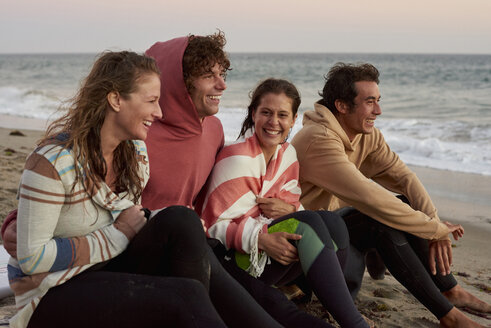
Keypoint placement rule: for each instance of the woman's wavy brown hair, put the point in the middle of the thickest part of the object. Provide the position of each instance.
(81, 125)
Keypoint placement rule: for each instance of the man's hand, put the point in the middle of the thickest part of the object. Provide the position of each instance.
(277, 246)
(441, 255)
(441, 250)
(456, 229)
(10, 239)
(274, 207)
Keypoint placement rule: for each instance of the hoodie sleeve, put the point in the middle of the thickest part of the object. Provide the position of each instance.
(387, 169)
(326, 165)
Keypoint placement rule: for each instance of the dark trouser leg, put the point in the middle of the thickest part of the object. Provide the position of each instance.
(339, 234)
(420, 247)
(237, 307)
(271, 299)
(401, 259)
(321, 267)
(172, 243)
(116, 299)
(179, 248)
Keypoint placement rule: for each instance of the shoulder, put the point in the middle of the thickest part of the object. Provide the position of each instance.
(313, 137)
(140, 148)
(142, 159)
(213, 131)
(374, 141)
(248, 147)
(212, 121)
(52, 161)
(212, 126)
(289, 150)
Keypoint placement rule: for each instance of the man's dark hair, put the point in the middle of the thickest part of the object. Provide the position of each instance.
(340, 83)
(201, 54)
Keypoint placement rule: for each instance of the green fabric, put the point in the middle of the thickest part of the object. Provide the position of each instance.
(309, 247)
(242, 260)
(288, 225)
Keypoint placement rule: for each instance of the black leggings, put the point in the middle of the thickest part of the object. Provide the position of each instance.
(406, 257)
(323, 273)
(171, 244)
(120, 299)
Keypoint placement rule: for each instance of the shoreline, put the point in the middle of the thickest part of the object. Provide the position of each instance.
(27, 123)
(460, 198)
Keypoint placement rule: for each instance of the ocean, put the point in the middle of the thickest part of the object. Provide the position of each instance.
(436, 109)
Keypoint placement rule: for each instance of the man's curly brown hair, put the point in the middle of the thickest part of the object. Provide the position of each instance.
(201, 54)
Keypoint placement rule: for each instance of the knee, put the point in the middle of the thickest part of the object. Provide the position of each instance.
(386, 234)
(312, 219)
(187, 286)
(337, 228)
(313, 227)
(178, 219)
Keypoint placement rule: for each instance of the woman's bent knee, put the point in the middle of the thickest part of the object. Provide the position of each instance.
(179, 219)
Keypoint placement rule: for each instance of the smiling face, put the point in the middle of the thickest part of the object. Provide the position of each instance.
(207, 90)
(273, 119)
(139, 109)
(360, 118)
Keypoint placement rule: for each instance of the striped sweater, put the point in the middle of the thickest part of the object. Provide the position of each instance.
(62, 231)
(240, 175)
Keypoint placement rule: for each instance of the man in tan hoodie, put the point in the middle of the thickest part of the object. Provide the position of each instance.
(346, 163)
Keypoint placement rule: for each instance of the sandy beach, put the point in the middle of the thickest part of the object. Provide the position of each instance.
(460, 198)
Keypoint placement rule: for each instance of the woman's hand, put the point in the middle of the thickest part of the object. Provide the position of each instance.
(277, 246)
(131, 220)
(274, 207)
(456, 229)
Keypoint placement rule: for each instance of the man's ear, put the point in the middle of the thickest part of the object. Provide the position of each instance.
(341, 106)
(114, 100)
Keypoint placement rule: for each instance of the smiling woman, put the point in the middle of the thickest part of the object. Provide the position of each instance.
(81, 229)
(273, 120)
(252, 206)
(133, 114)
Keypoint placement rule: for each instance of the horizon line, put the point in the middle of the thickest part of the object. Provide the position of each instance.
(260, 52)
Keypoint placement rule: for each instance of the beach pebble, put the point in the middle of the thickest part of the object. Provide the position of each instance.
(17, 133)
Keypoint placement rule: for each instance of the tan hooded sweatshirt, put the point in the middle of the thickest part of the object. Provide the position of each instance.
(336, 173)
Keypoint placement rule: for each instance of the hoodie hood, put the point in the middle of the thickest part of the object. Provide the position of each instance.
(181, 148)
(323, 116)
(179, 116)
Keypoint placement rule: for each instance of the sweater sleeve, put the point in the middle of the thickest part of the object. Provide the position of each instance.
(327, 165)
(388, 170)
(42, 196)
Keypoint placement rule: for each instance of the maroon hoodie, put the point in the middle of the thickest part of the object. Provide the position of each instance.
(181, 148)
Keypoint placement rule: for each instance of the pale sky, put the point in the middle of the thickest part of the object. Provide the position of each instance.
(370, 26)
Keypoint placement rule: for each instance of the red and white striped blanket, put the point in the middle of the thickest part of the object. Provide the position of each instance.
(240, 175)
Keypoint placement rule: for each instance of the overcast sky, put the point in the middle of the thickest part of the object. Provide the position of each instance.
(374, 26)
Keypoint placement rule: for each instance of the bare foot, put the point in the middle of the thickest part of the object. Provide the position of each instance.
(456, 319)
(461, 298)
